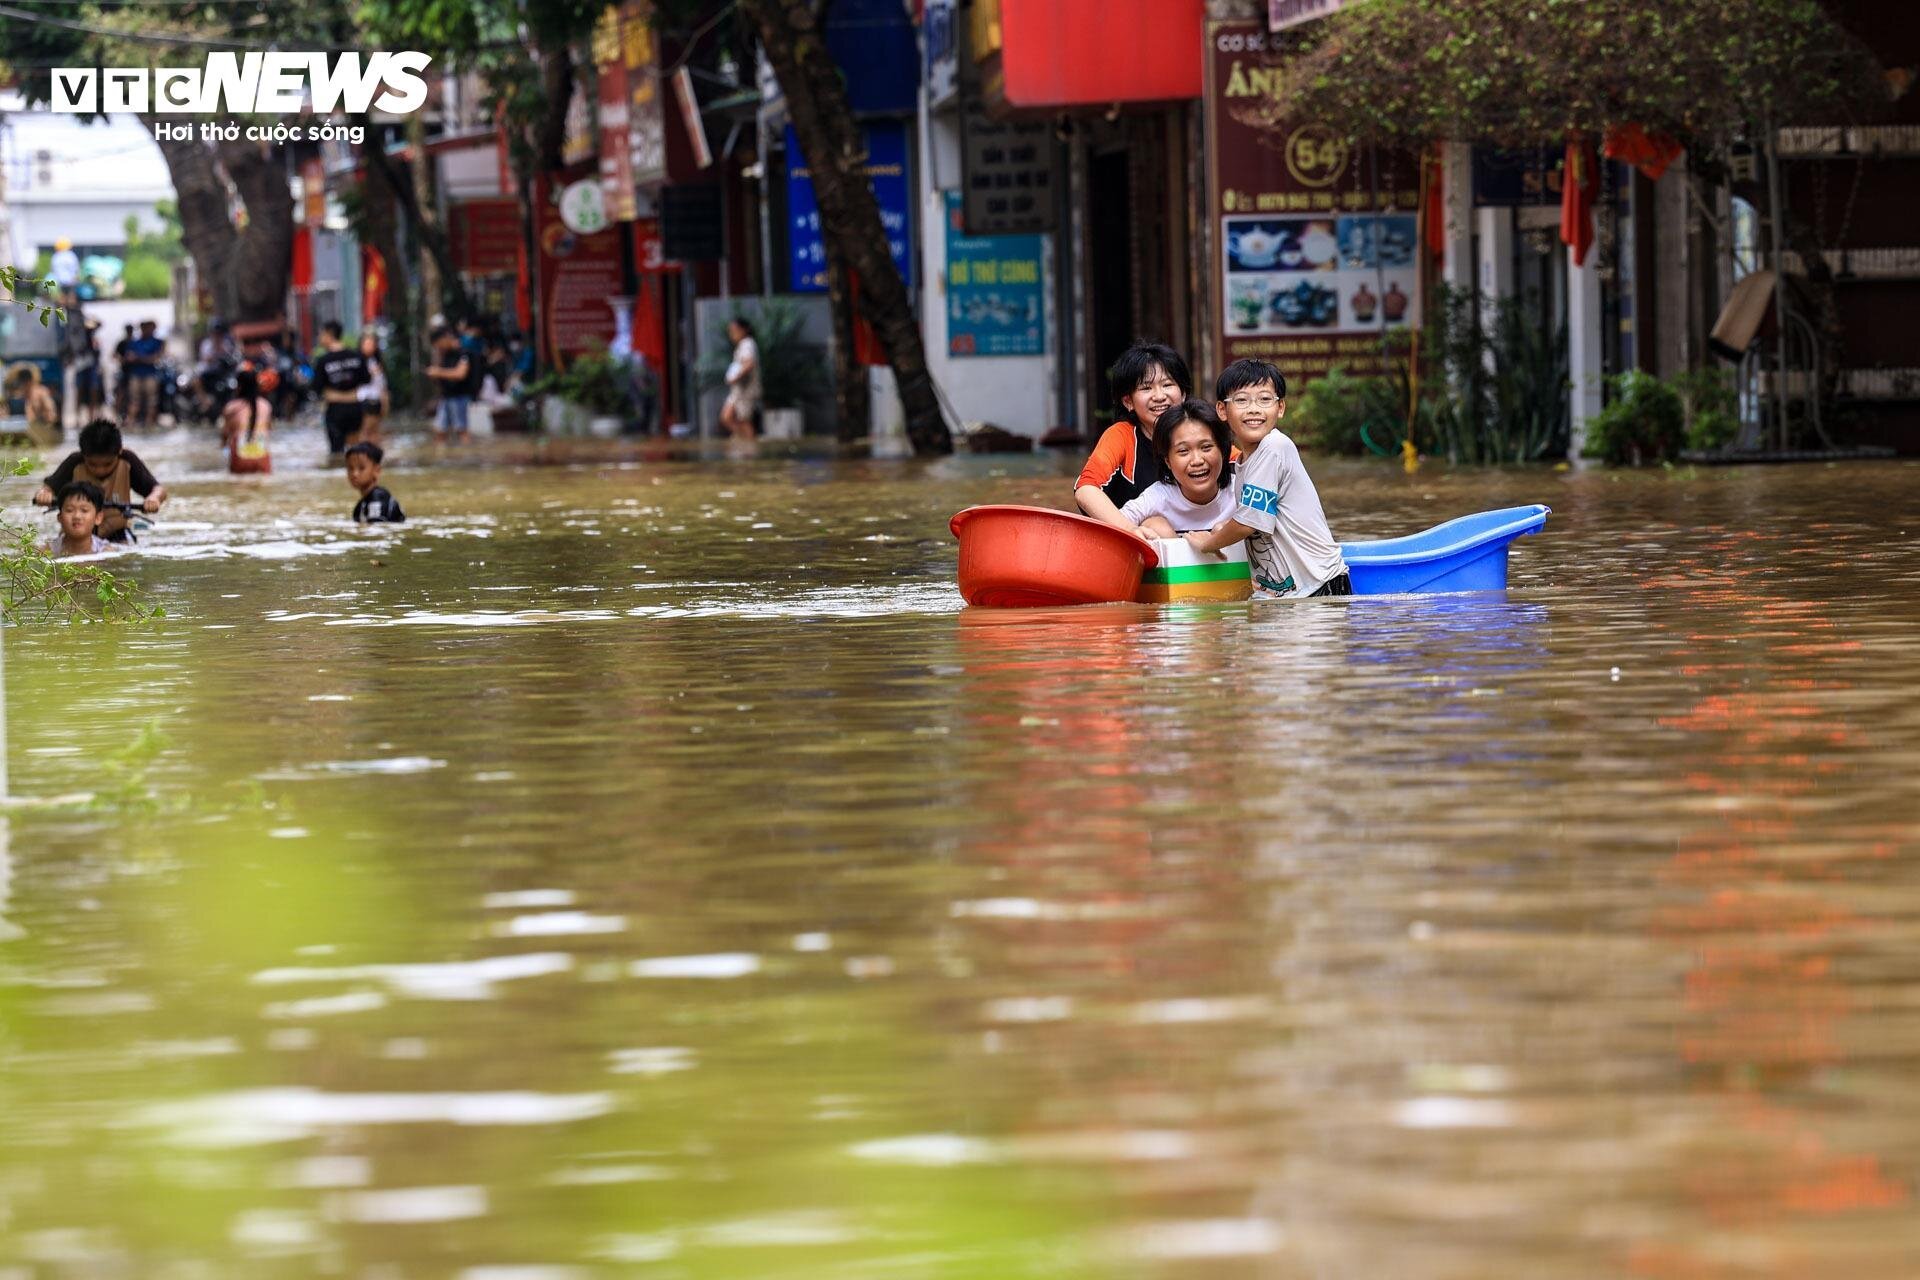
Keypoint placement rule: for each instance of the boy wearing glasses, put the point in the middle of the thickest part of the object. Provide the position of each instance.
(1276, 510)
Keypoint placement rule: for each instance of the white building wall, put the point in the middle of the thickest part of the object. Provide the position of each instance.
(1016, 393)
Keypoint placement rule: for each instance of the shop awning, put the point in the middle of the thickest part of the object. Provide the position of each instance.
(1061, 53)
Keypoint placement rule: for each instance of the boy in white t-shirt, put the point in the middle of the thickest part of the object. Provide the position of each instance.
(1192, 443)
(1277, 511)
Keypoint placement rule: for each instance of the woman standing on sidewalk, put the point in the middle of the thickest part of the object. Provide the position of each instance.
(743, 381)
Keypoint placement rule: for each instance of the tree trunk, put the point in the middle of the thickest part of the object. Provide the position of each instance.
(263, 253)
(851, 400)
(205, 230)
(557, 78)
(422, 212)
(849, 215)
(245, 270)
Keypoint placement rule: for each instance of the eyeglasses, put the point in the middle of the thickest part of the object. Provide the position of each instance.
(1266, 401)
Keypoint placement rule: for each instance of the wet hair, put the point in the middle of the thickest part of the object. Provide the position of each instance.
(1242, 374)
(1139, 360)
(246, 386)
(82, 489)
(100, 438)
(1190, 410)
(333, 329)
(366, 449)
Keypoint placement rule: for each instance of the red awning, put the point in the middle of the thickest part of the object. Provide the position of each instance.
(1057, 53)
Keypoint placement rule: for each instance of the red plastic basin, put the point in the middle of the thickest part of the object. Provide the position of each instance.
(1025, 557)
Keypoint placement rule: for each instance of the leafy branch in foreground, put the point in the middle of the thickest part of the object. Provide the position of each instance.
(35, 584)
(24, 289)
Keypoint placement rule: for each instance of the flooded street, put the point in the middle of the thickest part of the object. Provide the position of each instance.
(644, 867)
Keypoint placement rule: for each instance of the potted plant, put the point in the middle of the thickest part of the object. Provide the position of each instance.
(791, 369)
(590, 396)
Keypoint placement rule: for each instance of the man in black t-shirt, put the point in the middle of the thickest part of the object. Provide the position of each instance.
(340, 372)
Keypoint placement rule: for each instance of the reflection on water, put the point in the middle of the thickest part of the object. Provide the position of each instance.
(642, 867)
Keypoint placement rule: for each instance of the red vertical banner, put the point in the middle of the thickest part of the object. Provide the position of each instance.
(650, 304)
(1317, 239)
(616, 161)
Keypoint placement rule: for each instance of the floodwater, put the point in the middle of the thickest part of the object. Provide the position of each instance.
(645, 868)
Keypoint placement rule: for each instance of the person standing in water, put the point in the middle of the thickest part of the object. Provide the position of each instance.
(41, 409)
(1148, 379)
(244, 423)
(373, 396)
(340, 373)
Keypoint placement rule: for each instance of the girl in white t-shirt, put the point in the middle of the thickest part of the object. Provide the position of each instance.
(1193, 443)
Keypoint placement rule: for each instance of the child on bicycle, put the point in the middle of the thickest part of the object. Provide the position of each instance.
(117, 472)
(81, 506)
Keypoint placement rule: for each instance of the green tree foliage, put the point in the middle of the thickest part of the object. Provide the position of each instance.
(1528, 71)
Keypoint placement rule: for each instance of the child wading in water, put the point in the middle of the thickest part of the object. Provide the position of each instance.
(81, 503)
(376, 505)
(244, 424)
(1277, 511)
(1148, 379)
(1192, 443)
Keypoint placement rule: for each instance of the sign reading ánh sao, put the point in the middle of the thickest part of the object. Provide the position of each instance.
(996, 299)
(1318, 240)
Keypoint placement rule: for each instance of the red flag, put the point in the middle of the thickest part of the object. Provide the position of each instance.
(373, 283)
(1434, 207)
(1578, 183)
(1650, 153)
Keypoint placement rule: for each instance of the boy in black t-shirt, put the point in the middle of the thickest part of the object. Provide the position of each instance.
(376, 505)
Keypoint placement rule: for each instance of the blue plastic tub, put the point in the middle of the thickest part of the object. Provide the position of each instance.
(1468, 554)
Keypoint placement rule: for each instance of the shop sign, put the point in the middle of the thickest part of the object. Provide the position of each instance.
(1516, 178)
(578, 272)
(646, 121)
(485, 236)
(940, 28)
(616, 157)
(689, 103)
(1282, 14)
(583, 207)
(886, 169)
(577, 143)
(1317, 240)
(996, 297)
(1007, 173)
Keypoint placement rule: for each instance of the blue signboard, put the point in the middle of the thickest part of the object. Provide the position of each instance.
(996, 303)
(886, 170)
(874, 44)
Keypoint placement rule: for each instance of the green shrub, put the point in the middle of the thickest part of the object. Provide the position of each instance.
(1341, 413)
(146, 277)
(1712, 407)
(1645, 421)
